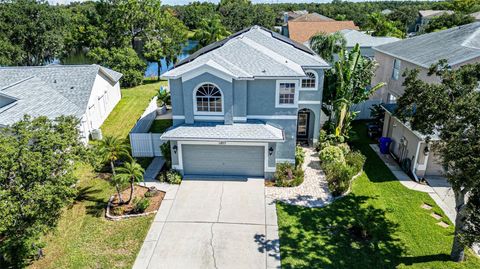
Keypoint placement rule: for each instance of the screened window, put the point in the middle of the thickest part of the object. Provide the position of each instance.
(396, 69)
(208, 98)
(309, 82)
(286, 93)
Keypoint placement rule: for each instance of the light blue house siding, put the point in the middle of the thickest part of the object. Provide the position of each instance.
(250, 100)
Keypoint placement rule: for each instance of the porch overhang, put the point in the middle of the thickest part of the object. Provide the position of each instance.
(250, 131)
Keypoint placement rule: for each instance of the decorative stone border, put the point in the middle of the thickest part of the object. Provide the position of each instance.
(112, 217)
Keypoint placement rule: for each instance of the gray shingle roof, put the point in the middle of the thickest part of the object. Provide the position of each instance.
(253, 52)
(74, 82)
(353, 37)
(457, 45)
(35, 97)
(251, 131)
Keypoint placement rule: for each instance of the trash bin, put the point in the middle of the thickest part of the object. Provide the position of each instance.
(385, 144)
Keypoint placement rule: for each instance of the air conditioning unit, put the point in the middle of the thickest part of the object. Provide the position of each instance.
(97, 134)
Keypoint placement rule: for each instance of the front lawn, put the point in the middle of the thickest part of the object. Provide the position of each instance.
(130, 108)
(402, 235)
(84, 238)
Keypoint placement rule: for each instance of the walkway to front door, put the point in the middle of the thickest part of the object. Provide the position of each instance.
(213, 224)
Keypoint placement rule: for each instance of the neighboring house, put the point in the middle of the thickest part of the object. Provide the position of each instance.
(365, 41)
(303, 16)
(302, 31)
(312, 17)
(89, 92)
(242, 104)
(459, 46)
(424, 16)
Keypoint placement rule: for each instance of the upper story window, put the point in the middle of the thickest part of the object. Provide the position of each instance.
(208, 99)
(286, 95)
(310, 83)
(396, 69)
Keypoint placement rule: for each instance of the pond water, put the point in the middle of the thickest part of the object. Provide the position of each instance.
(81, 58)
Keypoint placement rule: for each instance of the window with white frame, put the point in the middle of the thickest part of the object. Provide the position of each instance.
(392, 99)
(396, 69)
(208, 99)
(310, 82)
(286, 95)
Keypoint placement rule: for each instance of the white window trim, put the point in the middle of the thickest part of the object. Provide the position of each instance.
(399, 69)
(179, 166)
(277, 94)
(196, 112)
(316, 81)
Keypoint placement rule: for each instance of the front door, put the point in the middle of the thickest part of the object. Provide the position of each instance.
(302, 125)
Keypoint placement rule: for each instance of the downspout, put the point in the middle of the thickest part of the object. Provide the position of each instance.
(414, 169)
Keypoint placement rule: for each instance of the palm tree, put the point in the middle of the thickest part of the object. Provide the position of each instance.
(113, 148)
(326, 45)
(130, 172)
(209, 31)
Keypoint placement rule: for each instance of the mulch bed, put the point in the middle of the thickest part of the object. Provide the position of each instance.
(139, 192)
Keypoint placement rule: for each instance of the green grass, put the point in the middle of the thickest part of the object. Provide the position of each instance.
(406, 236)
(130, 108)
(159, 126)
(84, 238)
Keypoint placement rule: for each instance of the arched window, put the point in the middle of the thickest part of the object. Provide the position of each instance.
(310, 82)
(208, 98)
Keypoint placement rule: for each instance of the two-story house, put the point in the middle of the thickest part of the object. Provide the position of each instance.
(459, 46)
(240, 105)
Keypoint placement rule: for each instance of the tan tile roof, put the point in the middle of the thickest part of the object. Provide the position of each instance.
(303, 31)
(313, 17)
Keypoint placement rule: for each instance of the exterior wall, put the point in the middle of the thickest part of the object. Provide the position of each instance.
(394, 87)
(104, 97)
(250, 100)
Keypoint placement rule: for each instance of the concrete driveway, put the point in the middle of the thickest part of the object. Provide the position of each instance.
(213, 224)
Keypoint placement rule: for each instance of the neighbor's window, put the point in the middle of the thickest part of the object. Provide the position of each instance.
(310, 82)
(396, 69)
(392, 99)
(286, 94)
(208, 98)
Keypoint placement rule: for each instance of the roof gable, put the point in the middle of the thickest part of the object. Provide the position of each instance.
(456, 45)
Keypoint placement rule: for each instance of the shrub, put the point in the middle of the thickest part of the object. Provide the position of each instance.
(355, 160)
(140, 205)
(117, 211)
(345, 148)
(174, 177)
(299, 157)
(151, 192)
(339, 176)
(287, 175)
(332, 154)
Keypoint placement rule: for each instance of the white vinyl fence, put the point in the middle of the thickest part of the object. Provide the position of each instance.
(142, 142)
(364, 109)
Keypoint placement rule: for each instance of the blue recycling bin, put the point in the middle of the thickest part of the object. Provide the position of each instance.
(385, 144)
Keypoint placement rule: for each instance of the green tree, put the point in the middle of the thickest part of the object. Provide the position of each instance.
(236, 14)
(210, 31)
(37, 158)
(447, 21)
(129, 20)
(451, 109)
(327, 45)
(165, 39)
(378, 25)
(193, 13)
(348, 83)
(123, 60)
(130, 172)
(34, 31)
(264, 15)
(112, 149)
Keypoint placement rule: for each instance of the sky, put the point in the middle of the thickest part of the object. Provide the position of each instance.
(183, 2)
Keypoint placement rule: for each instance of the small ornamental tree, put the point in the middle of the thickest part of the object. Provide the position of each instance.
(451, 109)
(130, 172)
(36, 181)
(327, 45)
